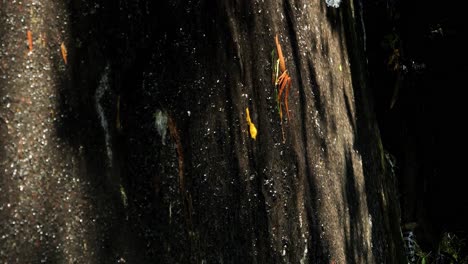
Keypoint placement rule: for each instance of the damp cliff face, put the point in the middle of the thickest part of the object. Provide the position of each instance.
(312, 185)
(46, 211)
(55, 195)
(147, 133)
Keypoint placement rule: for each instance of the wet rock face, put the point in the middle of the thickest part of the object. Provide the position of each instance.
(310, 187)
(133, 145)
(46, 212)
(55, 201)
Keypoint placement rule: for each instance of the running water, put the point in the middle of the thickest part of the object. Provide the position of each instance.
(100, 91)
(333, 3)
(361, 18)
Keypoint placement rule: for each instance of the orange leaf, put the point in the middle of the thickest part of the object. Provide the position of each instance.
(280, 55)
(30, 40)
(282, 83)
(64, 52)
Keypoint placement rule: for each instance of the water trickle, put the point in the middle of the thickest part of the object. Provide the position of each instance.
(100, 91)
(333, 3)
(361, 14)
(160, 123)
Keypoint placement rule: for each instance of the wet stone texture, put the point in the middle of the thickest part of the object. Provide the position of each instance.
(312, 187)
(51, 209)
(45, 209)
(136, 149)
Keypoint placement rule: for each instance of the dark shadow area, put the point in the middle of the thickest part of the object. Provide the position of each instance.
(367, 143)
(93, 64)
(319, 248)
(352, 205)
(417, 73)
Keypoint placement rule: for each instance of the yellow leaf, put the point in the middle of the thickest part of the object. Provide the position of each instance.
(252, 128)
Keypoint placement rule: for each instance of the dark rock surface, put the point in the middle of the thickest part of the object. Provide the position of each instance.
(137, 150)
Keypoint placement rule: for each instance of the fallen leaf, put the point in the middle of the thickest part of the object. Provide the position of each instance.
(64, 52)
(252, 128)
(30, 40)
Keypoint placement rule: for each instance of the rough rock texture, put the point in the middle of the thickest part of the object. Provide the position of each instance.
(147, 134)
(57, 204)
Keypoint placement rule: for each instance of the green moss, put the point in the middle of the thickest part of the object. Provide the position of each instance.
(450, 250)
